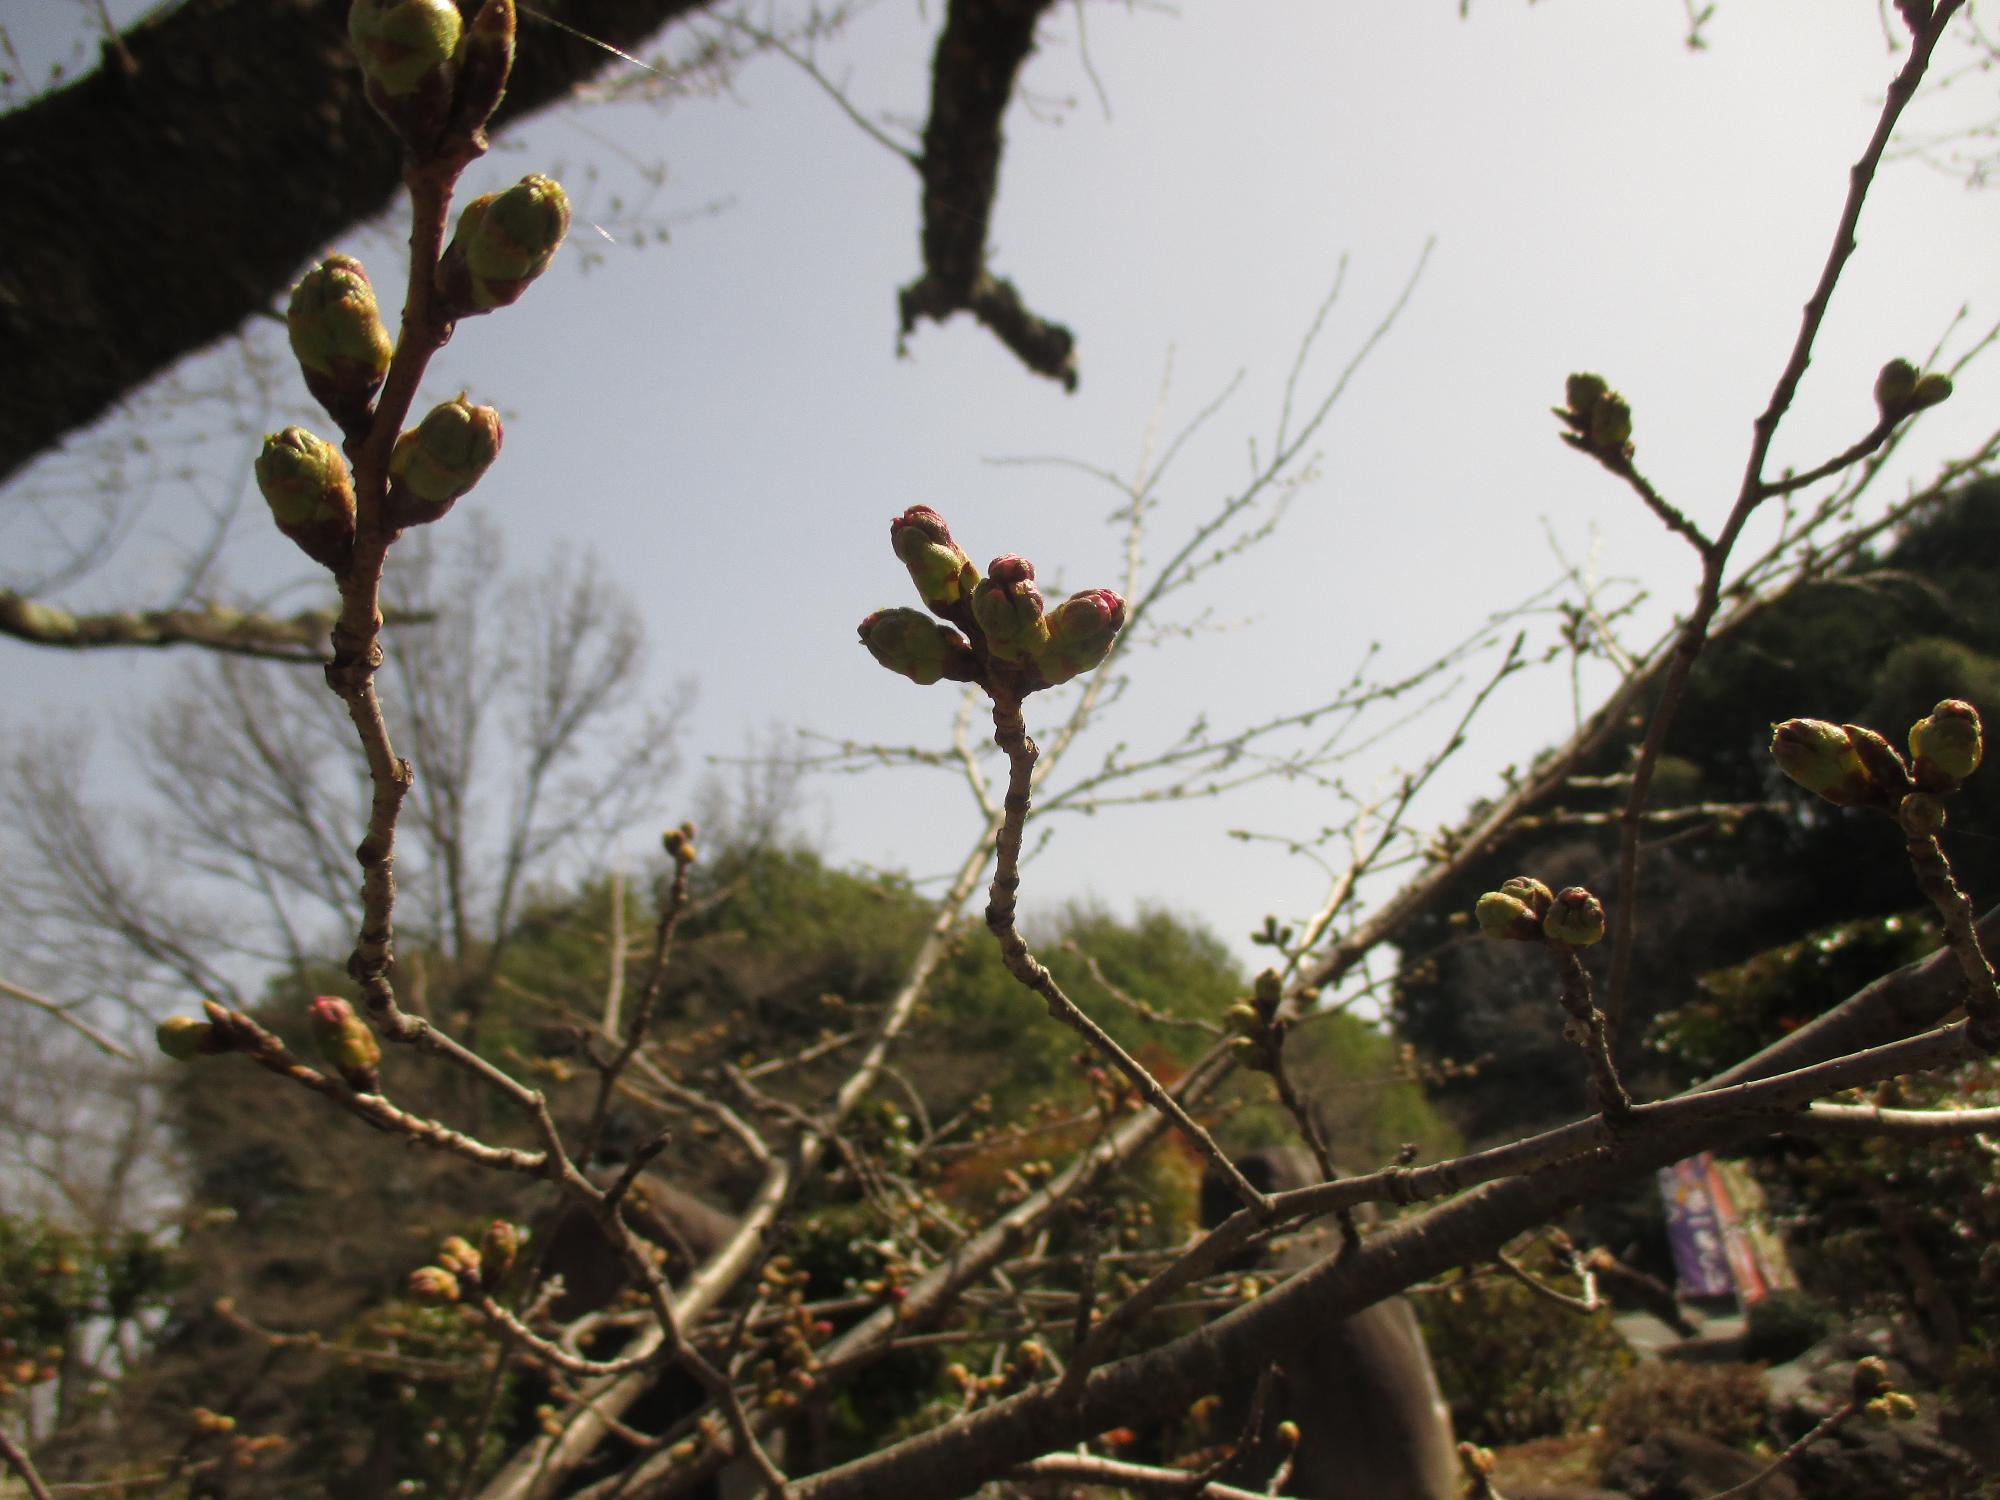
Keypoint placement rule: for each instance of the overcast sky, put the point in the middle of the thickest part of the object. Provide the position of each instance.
(723, 419)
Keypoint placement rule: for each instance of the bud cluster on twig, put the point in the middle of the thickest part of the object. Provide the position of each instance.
(1850, 765)
(1007, 639)
(465, 1271)
(1524, 910)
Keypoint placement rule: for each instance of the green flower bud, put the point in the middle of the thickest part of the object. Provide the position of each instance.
(943, 574)
(1531, 893)
(1575, 919)
(1821, 758)
(305, 482)
(1611, 424)
(1582, 392)
(1081, 632)
(346, 1043)
(1947, 744)
(1870, 1378)
(1270, 989)
(1009, 610)
(183, 1038)
(1507, 918)
(440, 459)
(910, 642)
(1931, 390)
(503, 242)
(499, 1247)
(485, 58)
(1921, 815)
(1895, 384)
(433, 1284)
(407, 50)
(1243, 1018)
(338, 336)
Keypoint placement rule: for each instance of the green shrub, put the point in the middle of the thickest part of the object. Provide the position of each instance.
(1723, 1402)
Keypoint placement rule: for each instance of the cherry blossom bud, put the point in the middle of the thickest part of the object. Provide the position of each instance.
(1507, 918)
(499, 1247)
(485, 58)
(1531, 893)
(1870, 1378)
(346, 1043)
(1582, 392)
(1887, 774)
(1821, 758)
(1010, 611)
(339, 339)
(910, 642)
(305, 482)
(1895, 384)
(503, 242)
(1611, 424)
(943, 574)
(440, 459)
(433, 1284)
(1947, 744)
(1081, 632)
(183, 1038)
(1931, 390)
(1575, 919)
(407, 50)
(457, 1256)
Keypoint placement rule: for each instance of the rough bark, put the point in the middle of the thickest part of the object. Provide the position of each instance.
(176, 191)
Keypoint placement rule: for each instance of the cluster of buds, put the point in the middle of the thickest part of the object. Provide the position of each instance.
(1873, 1389)
(18, 1371)
(784, 1376)
(1900, 391)
(1852, 766)
(679, 844)
(339, 339)
(1010, 638)
(305, 481)
(1524, 910)
(427, 73)
(1023, 1368)
(346, 1043)
(440, 459)
(502, 243)
(465, 1270)
(1598, 418)
(1256, 1033)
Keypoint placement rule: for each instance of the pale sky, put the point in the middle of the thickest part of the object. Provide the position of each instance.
(723, 420)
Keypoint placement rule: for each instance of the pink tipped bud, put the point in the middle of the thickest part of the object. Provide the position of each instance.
(408, 55)
(1010, 611)
(911, 643)
(1947, 745)
(1507, 918)
(502, 243)
(305, 482)
(457, 1256)
(337, 334)
(1821, 758)
(1576, 918)
(943, 574)
(346, 1043)
(1081, 632)
(485, 58)
(499, 1247)
(433, 1284)
(1537, 897)
(440, 459)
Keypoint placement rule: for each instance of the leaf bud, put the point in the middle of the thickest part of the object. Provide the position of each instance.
(407, 50)
(1582, 392)
(1931, 390)
(911, 643)
(1947, 745)
(1576, 918)
(485, 58)
(1243, 1018)
(1081, 632)
(938, 566)
(346, 1043)
(1921, 815)
(1611, 425)
(183, 1038)
(440, 459)
(433, 1284)
(503, 242)
(1888, 777)
(1821, 758)
(305, 482)
(338, 337)
(1507, 918)
(1009, 610)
